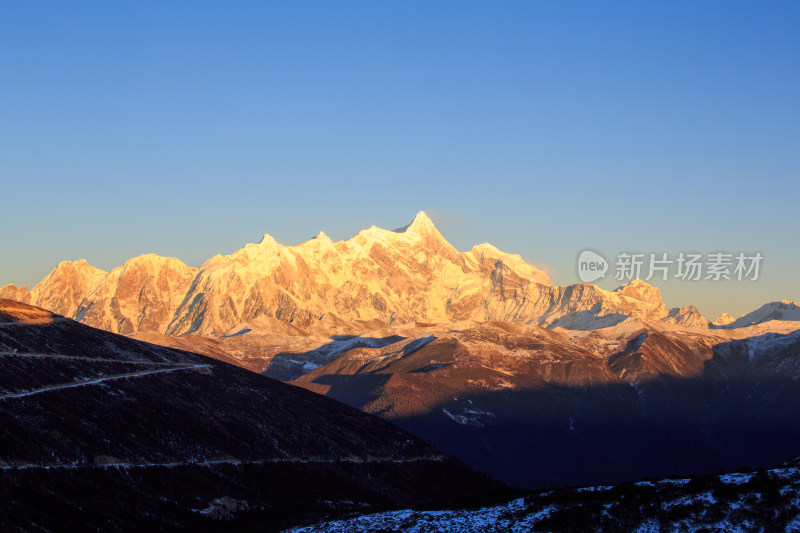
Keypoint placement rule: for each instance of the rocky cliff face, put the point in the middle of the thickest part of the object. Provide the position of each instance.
(63, 290)
(687, 316)
(18, 294)
(379, 276)
(141, 295)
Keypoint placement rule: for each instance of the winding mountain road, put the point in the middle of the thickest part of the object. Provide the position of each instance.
(213, 462)
(173, 367)
(93, 359)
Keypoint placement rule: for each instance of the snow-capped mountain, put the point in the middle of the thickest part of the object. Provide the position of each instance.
(784, 310)
(723, 320)
(379, 276)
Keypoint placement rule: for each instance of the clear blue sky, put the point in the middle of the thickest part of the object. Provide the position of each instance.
(191, 128)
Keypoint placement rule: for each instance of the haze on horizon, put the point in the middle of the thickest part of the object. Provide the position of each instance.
(191, 129)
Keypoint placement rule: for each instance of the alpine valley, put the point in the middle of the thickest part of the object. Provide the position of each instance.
(475, 358)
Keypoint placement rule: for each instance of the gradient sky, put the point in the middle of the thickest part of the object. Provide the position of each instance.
(191, 128)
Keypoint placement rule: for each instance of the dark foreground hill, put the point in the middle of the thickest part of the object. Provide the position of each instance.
(102, 432)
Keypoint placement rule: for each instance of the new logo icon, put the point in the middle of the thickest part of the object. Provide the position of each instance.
(591, 266)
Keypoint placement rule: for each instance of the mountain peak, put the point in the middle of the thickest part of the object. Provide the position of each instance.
(485, 248)
(267, 240)
(421, 225)
(81, 266)
(642, 291)
(151, 259)
(724, 319)
(319, 242)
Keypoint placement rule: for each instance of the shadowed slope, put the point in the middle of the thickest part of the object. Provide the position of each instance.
(537, 407)
(100, 427)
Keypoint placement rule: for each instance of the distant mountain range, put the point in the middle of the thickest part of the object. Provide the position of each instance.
(476, 352)
(377, 277)
(784, 310)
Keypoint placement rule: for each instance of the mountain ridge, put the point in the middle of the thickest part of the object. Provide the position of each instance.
(411, 273)
(384, 276)
(502, 396)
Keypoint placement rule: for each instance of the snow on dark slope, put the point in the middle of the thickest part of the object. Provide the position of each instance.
(762, 500)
